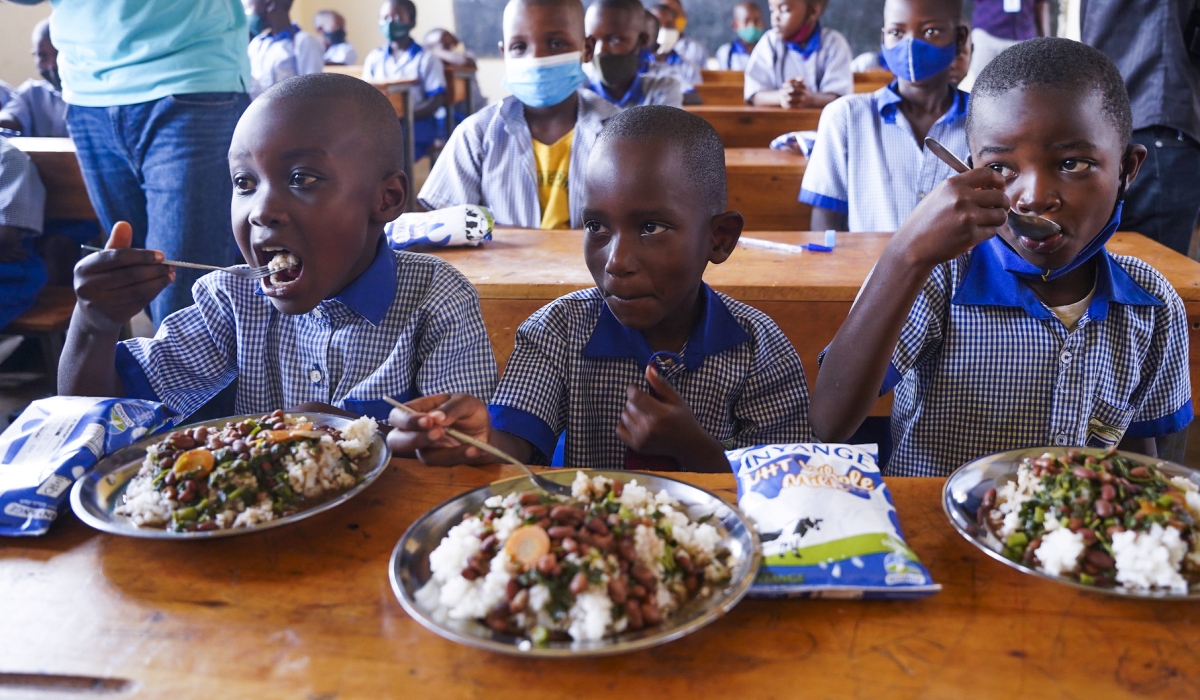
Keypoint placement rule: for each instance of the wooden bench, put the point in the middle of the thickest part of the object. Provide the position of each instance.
(764, 186)
(722, 76)
(66, 195)
(755, 127)
(47, 321)
(355, 70)
(871, 81)
(721, 94)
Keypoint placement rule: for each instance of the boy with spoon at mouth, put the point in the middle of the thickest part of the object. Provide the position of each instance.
(995, 341)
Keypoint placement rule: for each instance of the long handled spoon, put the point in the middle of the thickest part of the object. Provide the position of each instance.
(1031, 226)
(540, 482)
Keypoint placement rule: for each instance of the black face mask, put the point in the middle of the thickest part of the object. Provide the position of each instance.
(51, 76)
(335, 37)
(617, 69)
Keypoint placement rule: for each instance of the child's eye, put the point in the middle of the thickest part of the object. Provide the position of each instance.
(594, 227)
(1005, 171)
(243, 183)
(650, 228)
(932, 31)
(1072, 165)
(302, 180)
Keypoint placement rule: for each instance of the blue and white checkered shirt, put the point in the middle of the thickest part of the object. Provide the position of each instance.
(984, 366)
(22, 195)
(732, 56)
(277, 56)
(573, 361)
(409, 326)
(645, 90)
(823, 62)
(415, 63)
(489, 161)
(867, 164)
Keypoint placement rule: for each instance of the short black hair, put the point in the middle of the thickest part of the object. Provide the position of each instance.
(701, 153)
(628, 5)
(406, 5)
(374, 115)
(1052, 62)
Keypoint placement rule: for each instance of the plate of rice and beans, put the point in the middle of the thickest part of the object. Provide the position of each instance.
(231, 476)
(630, 560)
(1103, 520)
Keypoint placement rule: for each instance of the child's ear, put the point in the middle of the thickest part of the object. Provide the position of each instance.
(1132, 162)
(726, 229)
(589, 47)
(962, 39)
(643, 41)
(392, 198)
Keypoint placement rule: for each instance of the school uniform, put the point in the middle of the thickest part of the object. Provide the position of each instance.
(732, 56)
(409, 326)
(6, 94)
(677, 67)
(573, 361)
(982, 365)
(22, 204)
(867, 164)
(277, 56)
(645, 90)
(414, 63)
(692, 51)
(489, 160)
(341, 54)
(823, 62)
(39, 108)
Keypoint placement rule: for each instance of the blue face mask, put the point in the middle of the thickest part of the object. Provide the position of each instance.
(257, 24)
(1021, 267)
(542, 82)
(915, 60)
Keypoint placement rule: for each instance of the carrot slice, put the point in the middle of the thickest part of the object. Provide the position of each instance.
(527, 544)
(199, 459)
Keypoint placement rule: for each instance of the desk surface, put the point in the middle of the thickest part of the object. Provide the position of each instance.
(307, 611)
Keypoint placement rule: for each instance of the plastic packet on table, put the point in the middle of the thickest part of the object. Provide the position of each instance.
(827, 524)
(463, 225)
(57, 440)
(801, 142)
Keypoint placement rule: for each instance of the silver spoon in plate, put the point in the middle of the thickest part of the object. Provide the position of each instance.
(1031, 226)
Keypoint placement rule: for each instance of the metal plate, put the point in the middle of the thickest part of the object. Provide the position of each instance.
(409, 568)
(964, 492)
(94, 496)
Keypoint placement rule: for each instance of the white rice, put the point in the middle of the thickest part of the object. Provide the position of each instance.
(1060, 550)
(311, 475)
(1150, 559)
(358, 436)
(1191, 494)
(591, 615)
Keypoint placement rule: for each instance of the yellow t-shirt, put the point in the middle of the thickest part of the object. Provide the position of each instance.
(552, 164)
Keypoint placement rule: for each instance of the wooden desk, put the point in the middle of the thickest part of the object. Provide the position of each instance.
(721, 94)
(354, 70)
(764, 186)
(722, 76)
(755, 127)
(871, 81)
(66, 195)
(306, 611)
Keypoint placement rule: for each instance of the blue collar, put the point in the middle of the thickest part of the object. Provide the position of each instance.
(372, 293)
(647, 60)
(285, 34)
(673, 58)
(808, 48)
(888, 99)
(413, 49)
(715, 332)
(736, 47)
(987, 282)
(632, 98)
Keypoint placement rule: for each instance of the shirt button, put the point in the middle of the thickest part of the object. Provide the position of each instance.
(921, 195)
(1158, 144)
(1060, 440)
(317, 313)
(1065, 357)
(315, 376)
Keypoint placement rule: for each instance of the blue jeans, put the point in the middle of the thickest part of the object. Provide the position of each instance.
(1162, 203)
(163, 167)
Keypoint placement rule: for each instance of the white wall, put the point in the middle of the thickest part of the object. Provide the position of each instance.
(16, 26)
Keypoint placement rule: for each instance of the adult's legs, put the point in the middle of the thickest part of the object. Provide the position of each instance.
(1163, 201)
(110, 170)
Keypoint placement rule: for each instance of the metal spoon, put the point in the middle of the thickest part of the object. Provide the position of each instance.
(541, 482)
(1031, 226)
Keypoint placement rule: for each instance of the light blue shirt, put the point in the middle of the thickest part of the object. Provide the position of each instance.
(123, 52)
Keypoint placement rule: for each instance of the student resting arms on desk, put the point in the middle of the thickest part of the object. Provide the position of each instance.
(651, 368)
(798, 64)
(346, 322)
(869, 166)
(993, 341)
(523, 157)
(618, 29)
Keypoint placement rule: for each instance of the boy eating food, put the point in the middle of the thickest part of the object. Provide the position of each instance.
(342, 320)
(994, 341)
(798, 64)
(523, 157)
(650, 368)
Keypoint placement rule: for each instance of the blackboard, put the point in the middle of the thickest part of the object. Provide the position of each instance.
(479, 22)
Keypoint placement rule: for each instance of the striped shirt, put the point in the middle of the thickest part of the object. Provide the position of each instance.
(982, 365)
(868, 165)
(823, 62)
(415, 63)
(573, 361)
(732, 56)
(277, 56)
(409, 326)
(489, 161)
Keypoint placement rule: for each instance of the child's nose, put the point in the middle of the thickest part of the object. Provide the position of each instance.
(266, 212)
(1034, 194)
(622, 261)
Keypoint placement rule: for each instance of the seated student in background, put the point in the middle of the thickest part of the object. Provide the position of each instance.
(279, 49)
(686, 46)
(22, 272)
(667, 61)
(869, 166)
(798, 64)
(650, 368)
(993, 341)
(403, 58)
(523, 157)
(37, 107)
(618, 29)
(332, 27)
(346, 321)
(450, 51)
(749, 27)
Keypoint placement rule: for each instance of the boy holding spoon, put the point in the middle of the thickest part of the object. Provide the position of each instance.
(995, 341)
(343, 321)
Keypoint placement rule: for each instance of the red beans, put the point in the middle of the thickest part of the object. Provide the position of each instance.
(626, 550)
(566, 514)
(512, 588)
(529, 498)
(1139, 473)
(579, 583)
(1100, 558)
(570, 545)
(617, 590)
(559, 532)
(1104, 508)
(470, 573)
(633, 612)
(651, 614)
(1108, 492)
(534, 512)
(597, 526)
(642, 575)
(520, 601)
(1083, 473)
(548, 565)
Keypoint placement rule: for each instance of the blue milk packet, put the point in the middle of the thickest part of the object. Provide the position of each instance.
(827, 524)
(57, 440)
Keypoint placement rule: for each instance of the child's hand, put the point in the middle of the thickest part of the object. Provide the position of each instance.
(793, 94)
(120, 281)
(960, 213)
(425, 434)
(664, 425)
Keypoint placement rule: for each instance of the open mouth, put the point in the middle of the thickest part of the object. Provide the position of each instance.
(285, 266)
(1044, 246)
